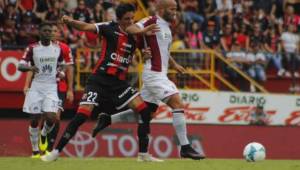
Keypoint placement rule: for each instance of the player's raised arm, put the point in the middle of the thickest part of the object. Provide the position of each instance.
(148, 30)
(79, 25)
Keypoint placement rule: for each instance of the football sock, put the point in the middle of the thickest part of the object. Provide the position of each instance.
(125, 116)
(143, 136)
(47, 128)
(180, 126)
(52, 136)
(34, 138)
(71, 130)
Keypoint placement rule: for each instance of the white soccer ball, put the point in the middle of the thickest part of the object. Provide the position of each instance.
(254, 152)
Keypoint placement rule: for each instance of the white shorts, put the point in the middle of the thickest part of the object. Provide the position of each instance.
(157, 88)
(41, 98)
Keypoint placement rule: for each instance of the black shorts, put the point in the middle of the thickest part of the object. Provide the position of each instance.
(104, 91)
(62, 98)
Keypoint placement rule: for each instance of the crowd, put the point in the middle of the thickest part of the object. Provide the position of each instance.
(252, 34)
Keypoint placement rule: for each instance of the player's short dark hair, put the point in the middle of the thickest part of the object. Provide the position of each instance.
(45, 24)
(123, 8)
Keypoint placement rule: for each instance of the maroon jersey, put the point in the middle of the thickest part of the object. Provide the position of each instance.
(117, 51)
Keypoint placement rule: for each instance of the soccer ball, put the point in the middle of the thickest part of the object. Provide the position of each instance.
(254, 152)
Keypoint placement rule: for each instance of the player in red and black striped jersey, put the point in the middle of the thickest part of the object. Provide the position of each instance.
(107, 83)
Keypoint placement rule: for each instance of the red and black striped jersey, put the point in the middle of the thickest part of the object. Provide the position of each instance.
(117, 50)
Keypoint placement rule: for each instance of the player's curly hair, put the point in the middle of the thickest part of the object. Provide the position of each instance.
(123, 8)
(45, 24)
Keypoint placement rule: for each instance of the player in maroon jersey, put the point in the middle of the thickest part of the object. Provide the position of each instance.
(107, 84)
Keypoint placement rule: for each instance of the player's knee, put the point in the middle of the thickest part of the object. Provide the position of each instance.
(144, 111)
(152, 106)
(34, 121)
(85, 110)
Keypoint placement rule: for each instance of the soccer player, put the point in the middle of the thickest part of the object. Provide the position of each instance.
(157, 87)
(42, 59)
(64, 90)
(107, 82)
(65, 86)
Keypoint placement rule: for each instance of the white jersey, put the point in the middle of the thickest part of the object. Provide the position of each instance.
(159, 44)
(46, 59)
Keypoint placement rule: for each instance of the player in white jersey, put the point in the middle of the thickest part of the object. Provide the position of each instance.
(41, 58)
(157, 87)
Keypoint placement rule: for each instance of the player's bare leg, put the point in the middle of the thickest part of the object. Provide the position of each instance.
(179, 124)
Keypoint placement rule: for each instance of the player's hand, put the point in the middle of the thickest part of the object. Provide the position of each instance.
(70, 96)
(146, 52)
(151, 29)
(66, 19)
(34, 69)
(25, 90)
(61, 74)
(179, 68)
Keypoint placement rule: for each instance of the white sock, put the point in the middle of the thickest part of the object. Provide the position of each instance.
(34, 138)
(124, 116)
(180, 126)
(46, 129)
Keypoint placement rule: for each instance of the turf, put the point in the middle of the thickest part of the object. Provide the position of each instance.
(21, 163)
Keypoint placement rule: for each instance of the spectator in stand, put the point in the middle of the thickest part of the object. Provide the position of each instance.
(238, 58)
(98, 13)
(257, 65)
(291, 18)
(194, 39)
(11, 12)
(8, 34)
(26, 5)
(226, 39)
(224, 8)
(211, 40)
(211, 11)
(28, 31)
(273, 50)
(290, 45)
(256, 36)
(56, 11)
(258, 116)
(41, 8)
(211, 37)
(82, 13)
(242, 37)
(191, 12)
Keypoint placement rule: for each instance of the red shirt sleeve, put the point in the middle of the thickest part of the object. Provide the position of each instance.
(66, 53)
(28, 55)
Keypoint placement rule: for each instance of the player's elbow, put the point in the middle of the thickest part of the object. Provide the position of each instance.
(22, 68)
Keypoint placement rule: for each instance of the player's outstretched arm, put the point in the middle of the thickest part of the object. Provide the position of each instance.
(24, 68)
(176, 66)
(148, 30)
(79, 25)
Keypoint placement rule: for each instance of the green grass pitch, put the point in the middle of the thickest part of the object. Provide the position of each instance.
(22, 163)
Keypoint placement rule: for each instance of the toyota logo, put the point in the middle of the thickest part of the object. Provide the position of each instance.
(82, 145)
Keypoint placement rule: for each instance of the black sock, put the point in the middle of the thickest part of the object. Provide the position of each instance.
(71, 130)
(143, 132)
(52, 136)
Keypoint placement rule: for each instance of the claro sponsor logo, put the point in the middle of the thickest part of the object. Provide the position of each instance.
(120, 58)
